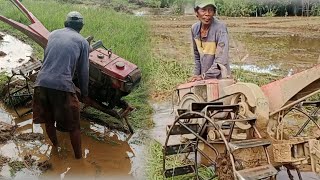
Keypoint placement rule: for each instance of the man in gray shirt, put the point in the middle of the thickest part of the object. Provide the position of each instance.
(210, 43)
(55, 100)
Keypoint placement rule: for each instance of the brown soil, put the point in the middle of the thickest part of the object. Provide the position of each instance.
(29, 162)
(290, 43)
(2, 54)
(1, 35)
(251, 157)
(6, 132)
(44, 166)
(3, 161)
(30, 136)
(224, 168)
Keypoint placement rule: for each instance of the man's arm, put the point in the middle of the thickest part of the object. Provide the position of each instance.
(221, 54)
(83, 69)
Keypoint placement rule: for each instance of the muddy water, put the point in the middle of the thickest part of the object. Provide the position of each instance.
(256, 69)
(117, 157)
(16, 52)
(286, 53)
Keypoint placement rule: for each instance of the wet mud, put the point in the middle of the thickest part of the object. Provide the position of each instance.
(163, 116)
(6, 132)
(281, 46)
(107, 154)
(13, 52)
(108, 151)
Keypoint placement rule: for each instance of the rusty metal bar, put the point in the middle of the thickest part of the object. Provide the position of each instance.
(294, 103)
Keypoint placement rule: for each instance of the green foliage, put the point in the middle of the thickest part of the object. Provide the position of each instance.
(154, 167)
(238, 8)
(3, 81)
(235, 7)
(270, 14)
(250, 77)
(315, 9)
(153, 3)
(15, 166)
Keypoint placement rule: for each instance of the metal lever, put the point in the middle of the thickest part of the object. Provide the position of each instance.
(96, 45)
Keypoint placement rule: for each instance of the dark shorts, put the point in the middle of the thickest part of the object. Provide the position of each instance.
(54, 106)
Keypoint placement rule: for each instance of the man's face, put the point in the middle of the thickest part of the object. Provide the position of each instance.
(205, 14)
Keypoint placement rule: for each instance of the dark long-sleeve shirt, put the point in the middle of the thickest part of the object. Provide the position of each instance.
(66, 52)
(211, 50)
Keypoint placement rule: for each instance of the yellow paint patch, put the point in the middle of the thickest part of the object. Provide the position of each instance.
(206, 47)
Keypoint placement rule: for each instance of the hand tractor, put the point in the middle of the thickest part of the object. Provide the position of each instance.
(240, 129)
(111, 77)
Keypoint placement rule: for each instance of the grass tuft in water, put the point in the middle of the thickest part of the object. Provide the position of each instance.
(154, 167)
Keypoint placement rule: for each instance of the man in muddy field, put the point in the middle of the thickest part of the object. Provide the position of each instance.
(210, 43)
(55, 102)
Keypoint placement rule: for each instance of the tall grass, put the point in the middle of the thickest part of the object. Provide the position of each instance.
(238, 8)
(126, 35)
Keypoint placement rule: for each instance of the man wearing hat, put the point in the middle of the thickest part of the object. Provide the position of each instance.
(210, 43)
(55, 102)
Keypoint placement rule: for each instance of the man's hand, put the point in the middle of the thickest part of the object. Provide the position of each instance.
(195, 78)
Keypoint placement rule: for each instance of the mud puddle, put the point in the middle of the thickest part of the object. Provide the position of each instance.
(107, 154)
(163, 116)
(256, 69)
(13, 52)
(289, 53)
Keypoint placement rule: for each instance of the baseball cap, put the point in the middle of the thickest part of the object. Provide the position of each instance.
(74, 16)
(204, 3)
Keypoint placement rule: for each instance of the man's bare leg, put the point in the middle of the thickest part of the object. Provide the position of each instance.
(75, 137)
(52, 134)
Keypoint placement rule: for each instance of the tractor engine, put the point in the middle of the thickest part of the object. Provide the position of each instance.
(111, 78)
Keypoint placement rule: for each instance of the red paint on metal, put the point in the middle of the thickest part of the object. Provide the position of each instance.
(108, 65)
(35, 30)
(197, 83)
(215, 91)
(281, 91)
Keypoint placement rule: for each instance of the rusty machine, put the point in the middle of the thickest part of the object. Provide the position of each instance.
(111, 77)
(243, 130)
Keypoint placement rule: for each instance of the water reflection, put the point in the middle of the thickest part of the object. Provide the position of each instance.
(256, 69)
(16, 51)
(111, 157)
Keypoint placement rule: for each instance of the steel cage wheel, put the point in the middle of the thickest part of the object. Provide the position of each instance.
(195, 142)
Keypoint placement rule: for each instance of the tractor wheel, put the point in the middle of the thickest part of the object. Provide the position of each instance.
(187, 99)
(245, 111)
(185, 103)
(188, 156)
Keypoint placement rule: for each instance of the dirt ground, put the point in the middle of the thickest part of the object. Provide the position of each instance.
(279, 46)
(284, 45)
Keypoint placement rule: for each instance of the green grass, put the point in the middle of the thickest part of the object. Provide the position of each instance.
(127, 35)
(3, 81)
(259, 79)
(154, 165)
